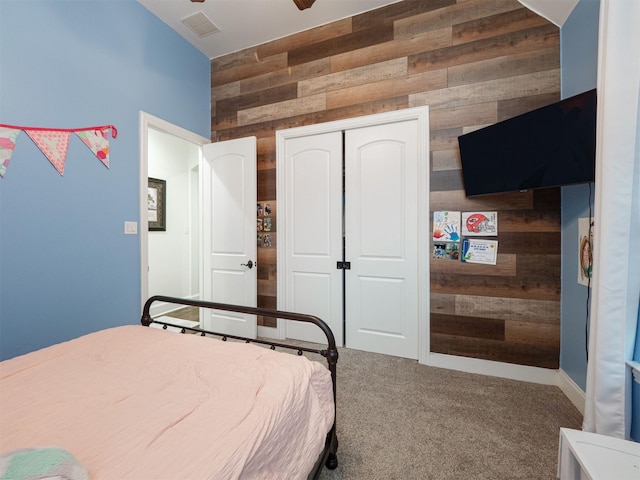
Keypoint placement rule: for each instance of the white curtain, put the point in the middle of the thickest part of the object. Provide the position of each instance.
(616, 278)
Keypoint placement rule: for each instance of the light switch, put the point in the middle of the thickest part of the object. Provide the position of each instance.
(130, 228)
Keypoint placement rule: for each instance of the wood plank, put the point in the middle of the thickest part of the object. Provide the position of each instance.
(443, 304)
(475, 327)
(445, 160)
(534, 334)
(493, 90)
(498, 351)
(492, 25)
(503, 67)
(446, 180)
(396, 48)
(267, 301)
(514, 43)
(259, 98)
(456, 200)
(396, 11)
(547, 198)
(476, 114)
(248, 56)
(307, 37)
(340, 44)
(386, 88)
(505, 266)
(547, 243)
(542, 267)
(390, 69)
(267, 183)
(529, 221)
(284, 76)
(267, 256)
(443, 139)
(517, 106)
(227, 109)
(269, 64)
(519, 286)
(522, 310)
(285, 109)
(266, 153)
(221, 92)
(456, 14)
(266, 288)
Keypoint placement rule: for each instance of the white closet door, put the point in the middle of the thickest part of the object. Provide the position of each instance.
(381, 219)
(313, 196)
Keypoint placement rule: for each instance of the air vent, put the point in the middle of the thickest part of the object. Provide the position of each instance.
(200, 24)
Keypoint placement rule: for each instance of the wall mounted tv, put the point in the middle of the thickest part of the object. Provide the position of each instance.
(547, 147)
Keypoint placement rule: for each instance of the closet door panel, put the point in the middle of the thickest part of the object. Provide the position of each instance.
(381, 218)
(314, 232)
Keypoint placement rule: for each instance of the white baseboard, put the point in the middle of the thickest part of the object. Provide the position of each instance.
(572, 391)
(523, 373)
(512, 371)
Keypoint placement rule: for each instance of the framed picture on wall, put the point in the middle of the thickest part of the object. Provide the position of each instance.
(156, 205)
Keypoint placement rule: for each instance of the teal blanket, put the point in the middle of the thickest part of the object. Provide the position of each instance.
(41, 463)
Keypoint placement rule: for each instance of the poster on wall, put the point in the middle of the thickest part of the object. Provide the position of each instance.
(446, 250)
(446, 226)
(479, 251)
(585, 251)
(479, 224)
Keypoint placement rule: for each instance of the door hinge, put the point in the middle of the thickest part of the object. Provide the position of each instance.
(343, 265)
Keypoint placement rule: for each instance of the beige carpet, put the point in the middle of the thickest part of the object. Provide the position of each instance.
(401, 420)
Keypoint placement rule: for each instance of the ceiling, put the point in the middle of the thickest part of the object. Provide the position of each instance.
(247, 23)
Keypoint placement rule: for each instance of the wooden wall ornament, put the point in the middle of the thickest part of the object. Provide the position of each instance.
(54, 143)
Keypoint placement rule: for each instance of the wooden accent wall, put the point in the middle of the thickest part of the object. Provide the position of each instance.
(474, 62)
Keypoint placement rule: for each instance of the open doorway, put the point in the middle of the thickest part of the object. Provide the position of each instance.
(170, 249)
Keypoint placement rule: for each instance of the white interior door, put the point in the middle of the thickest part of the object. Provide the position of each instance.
(381, 231)
(229, 234)
(313, 196)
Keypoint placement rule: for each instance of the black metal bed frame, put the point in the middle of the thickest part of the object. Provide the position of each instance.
(328, 456)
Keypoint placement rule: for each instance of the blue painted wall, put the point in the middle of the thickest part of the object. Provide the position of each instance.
(66, 267)
(579, 63)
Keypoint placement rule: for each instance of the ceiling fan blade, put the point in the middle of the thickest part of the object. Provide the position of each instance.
(302, 4)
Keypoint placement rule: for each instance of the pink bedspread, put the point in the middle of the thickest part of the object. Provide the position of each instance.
(140, 403)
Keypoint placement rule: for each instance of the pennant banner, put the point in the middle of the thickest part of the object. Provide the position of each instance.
(98, 142)
(54, 143)
(8, 138)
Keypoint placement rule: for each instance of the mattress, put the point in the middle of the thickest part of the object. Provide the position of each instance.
(134, 402)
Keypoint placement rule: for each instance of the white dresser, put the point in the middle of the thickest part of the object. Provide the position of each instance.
(585, 455)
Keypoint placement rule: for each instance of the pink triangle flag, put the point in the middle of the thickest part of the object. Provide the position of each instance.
(53, 143)
(8, 138)
(96, 139)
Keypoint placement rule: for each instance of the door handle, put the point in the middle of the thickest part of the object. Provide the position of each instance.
(249, 264)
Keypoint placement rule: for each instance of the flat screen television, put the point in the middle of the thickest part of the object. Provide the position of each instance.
(547, 147)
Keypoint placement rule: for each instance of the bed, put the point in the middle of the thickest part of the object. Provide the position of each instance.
(135, 402)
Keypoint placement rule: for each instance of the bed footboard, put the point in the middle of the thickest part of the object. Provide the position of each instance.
(328, 457)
